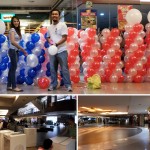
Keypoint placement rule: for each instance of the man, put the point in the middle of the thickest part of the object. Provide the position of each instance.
(57, 35)
(47, 145)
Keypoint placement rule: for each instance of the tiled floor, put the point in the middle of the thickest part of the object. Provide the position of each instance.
(81, 88)
(113, 138)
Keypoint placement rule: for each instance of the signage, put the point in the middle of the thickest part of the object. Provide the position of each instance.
(7, 17)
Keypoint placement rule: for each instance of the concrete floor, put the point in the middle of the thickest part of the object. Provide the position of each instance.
(113, 138)
(81, 88)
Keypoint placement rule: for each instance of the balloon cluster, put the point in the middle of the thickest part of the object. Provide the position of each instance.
(73, 55)
(90, 52)
(135, 59)
(111, 67)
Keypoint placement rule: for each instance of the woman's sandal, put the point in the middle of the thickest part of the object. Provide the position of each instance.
(9, 88)
(17, 90)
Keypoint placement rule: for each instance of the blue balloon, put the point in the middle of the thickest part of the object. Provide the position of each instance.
(61, 74)
(25, 58)
(28, 80)
(28, 51)
(48, 73)
(41, 58)
(20, 53)
(46, 44)
(2, 38)
(0, 72)
(48, 65)
(21, 79)
(45, 35)
(30, 45)
(0, 46)
(38, 67)
(22, 43)
(42, 52)
(5, 59)
(9, 64)
(32, 73)
(22, 72)
(3, 66)
(35, 37)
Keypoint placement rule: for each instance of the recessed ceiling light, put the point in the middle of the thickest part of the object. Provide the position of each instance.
(101, 14)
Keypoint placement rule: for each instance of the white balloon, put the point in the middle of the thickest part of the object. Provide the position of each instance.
(32, 60)
(2, 27)
(148, 16)
(133, 16)
(53, 50)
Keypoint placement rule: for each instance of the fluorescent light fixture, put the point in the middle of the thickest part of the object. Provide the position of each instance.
(3, 112)
(101, 14)
(114, 113)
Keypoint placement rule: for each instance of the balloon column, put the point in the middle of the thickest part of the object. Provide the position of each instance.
(90, 48)
(147, 53)
(134, 47)
(111, 67)
(73, 55)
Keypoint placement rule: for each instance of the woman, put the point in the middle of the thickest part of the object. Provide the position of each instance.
(14, 39)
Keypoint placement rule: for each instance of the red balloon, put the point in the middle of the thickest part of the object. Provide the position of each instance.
(138, 79)
(129, 65)
(116, 59)
(111, 65)
(121, 79)
(70, 31)
(95, 65)
(118, 52)
(103, 79)
(115, 32)
(98, 58)
(85, 54)
(110, 39)
(90, 40)
(87, 48)
(141, 72)
(103, 52)
(139, 54)
(91, 32)
(43, 82)
(142, 47)
(75, 79)
(132, 34)
(68, 39)
(133, 59)
(108, 72)
(90, 71)
(106, 46)
(137, 27)
(74, 52)
(71, 59)
(128, 41)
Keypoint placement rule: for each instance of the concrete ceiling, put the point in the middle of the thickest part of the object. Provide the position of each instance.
(130, 104)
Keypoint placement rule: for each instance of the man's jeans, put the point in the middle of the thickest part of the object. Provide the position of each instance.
(12, 71)
(55, 60)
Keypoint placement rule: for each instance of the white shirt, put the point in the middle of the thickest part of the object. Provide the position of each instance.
(55, 33)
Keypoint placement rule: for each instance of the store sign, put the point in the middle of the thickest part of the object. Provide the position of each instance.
(88, 19)
(122, 11)
(7, 17)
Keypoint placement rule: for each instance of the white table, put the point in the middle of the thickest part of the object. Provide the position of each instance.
(14, 141)
(2, 132)
(31, 136)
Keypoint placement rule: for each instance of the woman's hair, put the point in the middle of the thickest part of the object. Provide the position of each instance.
(47, 143)
(16, 28)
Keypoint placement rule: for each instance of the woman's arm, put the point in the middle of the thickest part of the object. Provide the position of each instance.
(13, 42)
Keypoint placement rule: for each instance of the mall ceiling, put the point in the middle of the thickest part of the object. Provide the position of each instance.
(130, 104)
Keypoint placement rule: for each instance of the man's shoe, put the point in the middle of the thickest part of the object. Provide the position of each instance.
(50, 88)
(69, 89)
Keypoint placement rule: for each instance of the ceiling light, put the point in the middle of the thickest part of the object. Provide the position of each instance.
(3, 112)
(101, 14)
(28, 16)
